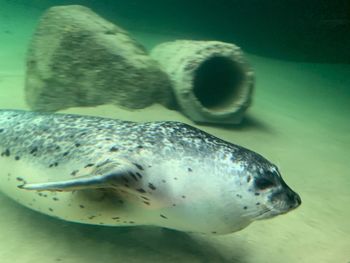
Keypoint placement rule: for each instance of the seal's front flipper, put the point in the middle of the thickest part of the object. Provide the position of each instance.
(79, 183)
(111, 175)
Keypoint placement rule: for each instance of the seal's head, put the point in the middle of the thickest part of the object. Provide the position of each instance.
(278, 197)
(266, 194)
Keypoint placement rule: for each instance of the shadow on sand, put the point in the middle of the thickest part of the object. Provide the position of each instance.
(248, 123)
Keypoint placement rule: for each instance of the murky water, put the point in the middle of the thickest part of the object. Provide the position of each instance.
(299, 120)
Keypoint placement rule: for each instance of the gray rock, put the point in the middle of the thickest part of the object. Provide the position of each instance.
(77, 58)
(212, 81)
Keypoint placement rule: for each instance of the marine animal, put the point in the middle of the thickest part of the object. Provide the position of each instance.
(118, 173)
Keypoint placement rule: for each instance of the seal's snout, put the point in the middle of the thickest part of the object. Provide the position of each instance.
(285, 199)
(298, 199)
(292, 199)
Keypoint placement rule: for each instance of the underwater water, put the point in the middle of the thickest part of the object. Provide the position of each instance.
(299, 120)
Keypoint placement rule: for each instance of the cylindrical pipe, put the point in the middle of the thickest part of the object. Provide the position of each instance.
(212, 81)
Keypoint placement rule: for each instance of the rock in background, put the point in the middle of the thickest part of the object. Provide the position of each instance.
(77, 58)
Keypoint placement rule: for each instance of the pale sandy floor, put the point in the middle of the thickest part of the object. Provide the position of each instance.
(300, 120)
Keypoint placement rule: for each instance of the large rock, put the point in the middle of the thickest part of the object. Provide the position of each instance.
(212, 81)
(77, 58)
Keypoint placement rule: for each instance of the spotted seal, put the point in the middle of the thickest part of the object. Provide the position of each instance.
(118, 173)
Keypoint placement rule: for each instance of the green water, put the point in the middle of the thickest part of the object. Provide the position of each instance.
(299, 119)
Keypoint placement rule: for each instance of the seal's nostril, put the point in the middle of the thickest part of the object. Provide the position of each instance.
(294, 199)
(297, 199)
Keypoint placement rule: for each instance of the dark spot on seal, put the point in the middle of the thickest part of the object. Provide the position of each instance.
(6, 153)
(183, 196)
(138, 174)
(163, 181)
(53, 164)
(114, 149)
(81, 206)
(138, 166)
(163, 216)
(141, 190)
(257, 193)
(147, 203)
(77, 144)
(17, 158)
(50, 209)
(175, 178)
(34, 150)
(74, 172)
(65, 153)
(133, 176)
(58, 148)
(131, 222)
(89, 165)
(1, 130)
(174, 204)
(126, 185)
(115, 184)
(248, 179)
(19, 179)
(189, 169)
(125, 179)
(102, 163)
(213, 232)
(116, 218)
(91, 217)
(151, 186)
(245, 207)
(144, 197)
(55, 198)
(238, 195)
(257, 203)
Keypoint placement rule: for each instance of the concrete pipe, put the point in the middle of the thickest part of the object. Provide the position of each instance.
(212, 81)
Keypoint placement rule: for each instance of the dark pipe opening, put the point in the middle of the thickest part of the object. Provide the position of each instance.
(217, 82)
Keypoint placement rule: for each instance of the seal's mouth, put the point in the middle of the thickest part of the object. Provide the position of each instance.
(282, 203)
(265, 214)
(285, 200)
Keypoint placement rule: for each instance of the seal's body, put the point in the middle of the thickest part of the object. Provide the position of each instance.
(103, 171)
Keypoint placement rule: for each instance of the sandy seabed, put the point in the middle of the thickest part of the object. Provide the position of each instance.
(299, 120)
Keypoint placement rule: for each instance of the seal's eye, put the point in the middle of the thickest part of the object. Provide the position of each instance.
(263, 183)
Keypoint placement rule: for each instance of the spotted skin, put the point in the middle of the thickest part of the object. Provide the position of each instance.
(110, 172)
